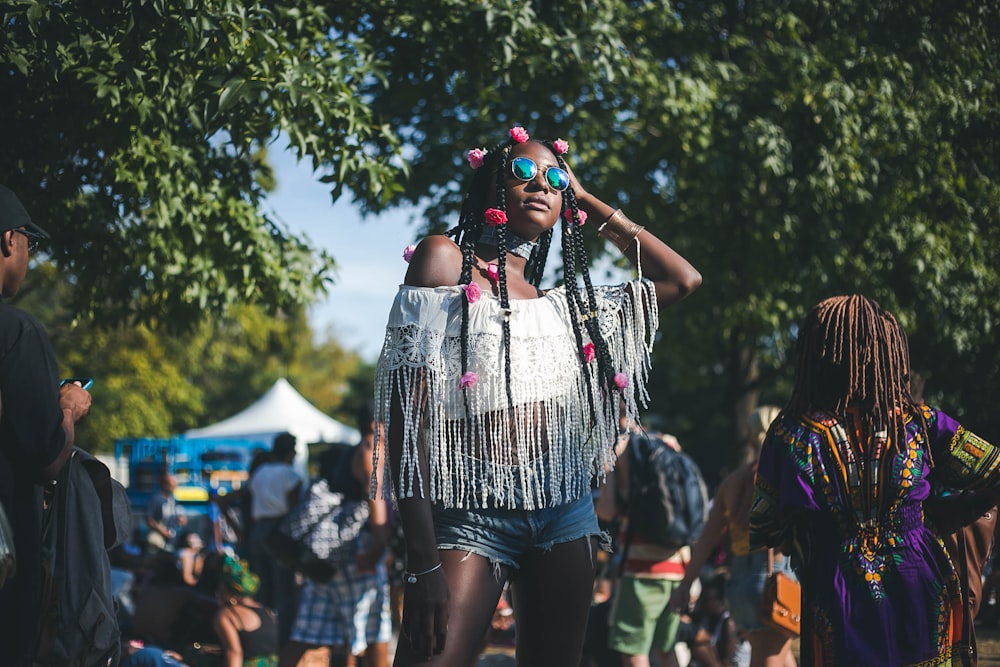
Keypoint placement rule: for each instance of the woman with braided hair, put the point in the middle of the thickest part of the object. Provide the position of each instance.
(842, 479)
(500, 403)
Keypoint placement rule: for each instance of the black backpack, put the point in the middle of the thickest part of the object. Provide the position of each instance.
(87, 513)
(667, 499)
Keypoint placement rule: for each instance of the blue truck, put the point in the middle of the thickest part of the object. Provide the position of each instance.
(201, 466)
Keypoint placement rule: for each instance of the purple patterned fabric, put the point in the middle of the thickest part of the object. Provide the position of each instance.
(878, 586)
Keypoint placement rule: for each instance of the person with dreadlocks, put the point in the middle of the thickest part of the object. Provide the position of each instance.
(500, 402)
(842, 479)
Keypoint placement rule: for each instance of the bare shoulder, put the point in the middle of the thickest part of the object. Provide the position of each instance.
(436, 262)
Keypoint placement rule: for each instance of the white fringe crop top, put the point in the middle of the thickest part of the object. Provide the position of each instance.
(559, 447)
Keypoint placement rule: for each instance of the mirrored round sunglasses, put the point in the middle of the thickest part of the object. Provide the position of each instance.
(525, 169)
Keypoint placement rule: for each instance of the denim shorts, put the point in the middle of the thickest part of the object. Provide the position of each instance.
(746, 584)
(505, 536)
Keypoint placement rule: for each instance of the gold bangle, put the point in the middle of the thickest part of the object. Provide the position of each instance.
(619, 230)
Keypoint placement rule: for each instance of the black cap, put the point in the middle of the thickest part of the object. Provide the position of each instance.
(13, 215)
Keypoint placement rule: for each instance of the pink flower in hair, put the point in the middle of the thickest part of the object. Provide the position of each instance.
(408, 252)
(476, 157)
(588, 352)
(621, 380)
(519, 134)
(472, 292)
(494, 217)
(493, 271)
(560, 146)
(581, 216)
(469, 379)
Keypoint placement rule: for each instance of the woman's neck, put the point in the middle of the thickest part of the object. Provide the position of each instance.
(517, 246)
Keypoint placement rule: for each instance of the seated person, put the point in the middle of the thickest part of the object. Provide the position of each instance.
(171, 615)
(709, 631)
(247, 630)
(190, 557)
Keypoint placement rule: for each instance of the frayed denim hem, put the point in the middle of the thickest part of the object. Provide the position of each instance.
(496, 563)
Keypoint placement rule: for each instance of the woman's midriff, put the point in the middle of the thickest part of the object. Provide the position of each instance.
(509, 447)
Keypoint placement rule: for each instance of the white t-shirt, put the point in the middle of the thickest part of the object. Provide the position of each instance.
(269, 489)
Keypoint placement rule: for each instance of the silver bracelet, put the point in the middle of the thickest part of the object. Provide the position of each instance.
(411, 577)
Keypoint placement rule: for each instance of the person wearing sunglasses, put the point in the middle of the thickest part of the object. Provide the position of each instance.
(37, 430)
(501, 399)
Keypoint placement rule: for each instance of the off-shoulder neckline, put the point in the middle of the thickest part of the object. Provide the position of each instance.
(457, 289)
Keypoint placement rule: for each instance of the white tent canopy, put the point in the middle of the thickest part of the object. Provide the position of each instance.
(279, 410)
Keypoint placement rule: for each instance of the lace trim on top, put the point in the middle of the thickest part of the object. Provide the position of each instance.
(558, 446)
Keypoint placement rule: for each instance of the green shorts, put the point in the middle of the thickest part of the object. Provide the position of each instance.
(640, 620)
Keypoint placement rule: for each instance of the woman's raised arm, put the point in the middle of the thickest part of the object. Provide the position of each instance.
(672, 275)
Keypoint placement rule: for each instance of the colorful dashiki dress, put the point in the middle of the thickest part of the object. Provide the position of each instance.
(878, 587)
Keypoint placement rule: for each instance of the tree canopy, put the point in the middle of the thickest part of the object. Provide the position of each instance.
(791, 150)
(136, 133)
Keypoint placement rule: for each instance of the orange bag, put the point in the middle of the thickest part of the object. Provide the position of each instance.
(781, 601)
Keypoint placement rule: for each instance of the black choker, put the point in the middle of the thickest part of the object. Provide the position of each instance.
(515, 244)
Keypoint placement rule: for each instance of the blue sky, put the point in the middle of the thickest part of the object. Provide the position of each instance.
(369, 253)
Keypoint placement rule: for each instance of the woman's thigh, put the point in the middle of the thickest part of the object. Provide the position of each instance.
(474, 587)
(552, 596)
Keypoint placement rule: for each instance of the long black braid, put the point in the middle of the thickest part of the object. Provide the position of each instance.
(582, 306)
(501, 203)
(574, 251)
(574, 301)
(467, 235)
(541, 253)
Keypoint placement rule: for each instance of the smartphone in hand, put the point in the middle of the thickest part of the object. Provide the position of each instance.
(86, 383)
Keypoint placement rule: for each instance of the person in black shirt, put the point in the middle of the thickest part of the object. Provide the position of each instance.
(36, 430)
